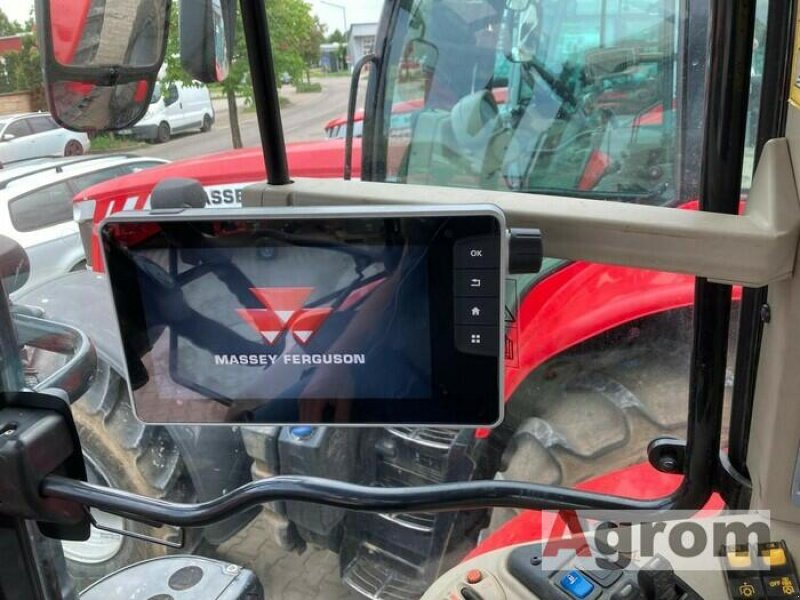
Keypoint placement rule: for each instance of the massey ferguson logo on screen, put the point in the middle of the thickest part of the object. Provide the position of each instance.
(284, 311)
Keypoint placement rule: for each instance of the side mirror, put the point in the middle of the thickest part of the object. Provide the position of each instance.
(14, 265)
(101, 59)
(7, 137)
(206, 38)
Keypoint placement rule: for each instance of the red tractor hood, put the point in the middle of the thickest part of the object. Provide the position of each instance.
(224, 175)
(323, 158)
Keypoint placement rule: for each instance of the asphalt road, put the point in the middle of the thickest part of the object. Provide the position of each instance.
(303, 119)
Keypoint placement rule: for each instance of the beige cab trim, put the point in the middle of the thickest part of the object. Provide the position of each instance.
(754, 249)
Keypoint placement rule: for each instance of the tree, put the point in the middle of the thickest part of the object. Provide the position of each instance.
(21, 70)
(173, 70)
(237, 83)
(309, 47)
(7, 78)
(7, 26)
(291, 28)
(337, 37)
(24, 71)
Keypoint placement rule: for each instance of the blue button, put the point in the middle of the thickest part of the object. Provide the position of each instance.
(576, 584)
(301, 433)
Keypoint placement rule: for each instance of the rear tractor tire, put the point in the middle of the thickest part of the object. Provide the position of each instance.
(123, 453)
(595, 409)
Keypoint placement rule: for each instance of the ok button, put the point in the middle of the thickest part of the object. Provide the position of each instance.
(477, 252)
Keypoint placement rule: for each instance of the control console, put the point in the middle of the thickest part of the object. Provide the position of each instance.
(524, 572)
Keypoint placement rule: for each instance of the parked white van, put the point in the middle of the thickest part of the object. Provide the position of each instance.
(174, 108)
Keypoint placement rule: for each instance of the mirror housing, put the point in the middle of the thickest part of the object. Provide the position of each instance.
(206, 38)
(15, 267)
(101, 61)
(7, 137)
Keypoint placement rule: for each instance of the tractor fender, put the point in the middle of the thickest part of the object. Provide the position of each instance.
(214, 456)
(581, 300)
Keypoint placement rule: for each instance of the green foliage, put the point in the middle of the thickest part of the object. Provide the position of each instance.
(303, 87)
(108, 142)
(21, 71)
(337, 37)
(296, 36)
(310, 44)
(238, 80)
(173, 71)
(7, 26)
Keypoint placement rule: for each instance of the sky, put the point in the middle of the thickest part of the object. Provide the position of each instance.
(17, 10)
(356, 11)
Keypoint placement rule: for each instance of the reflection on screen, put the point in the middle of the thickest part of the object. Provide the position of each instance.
(260, 327)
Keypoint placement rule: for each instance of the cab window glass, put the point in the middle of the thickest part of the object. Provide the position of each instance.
(171, 94)
(44, 207)
(581, 97)
(41, 124)
(17, 129)
(82, 182)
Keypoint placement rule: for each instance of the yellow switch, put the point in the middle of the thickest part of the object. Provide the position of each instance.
(739, 559)
(773, 557)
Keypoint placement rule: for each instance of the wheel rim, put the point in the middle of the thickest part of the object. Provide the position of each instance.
(73, 148)
(101, 546)
(163, 132)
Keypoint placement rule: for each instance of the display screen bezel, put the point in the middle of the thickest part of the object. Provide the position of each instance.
(476, 380)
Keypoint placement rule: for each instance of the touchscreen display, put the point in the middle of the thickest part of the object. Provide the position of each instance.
(345, 320)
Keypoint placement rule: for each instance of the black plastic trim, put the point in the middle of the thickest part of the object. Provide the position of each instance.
(351, 110)
(731, 34)
(265, 91)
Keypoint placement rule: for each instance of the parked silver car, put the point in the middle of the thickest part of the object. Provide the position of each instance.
(36, 206)
(31, 135)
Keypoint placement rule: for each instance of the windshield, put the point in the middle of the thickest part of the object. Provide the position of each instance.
(599, 100)
(586, 97)
(156, 93)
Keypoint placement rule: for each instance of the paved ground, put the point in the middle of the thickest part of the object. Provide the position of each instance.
(303, 119)
(286, 576)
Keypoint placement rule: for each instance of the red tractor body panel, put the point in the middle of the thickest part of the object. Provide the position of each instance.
(223, 174)
(582, 300)
(641, 482)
